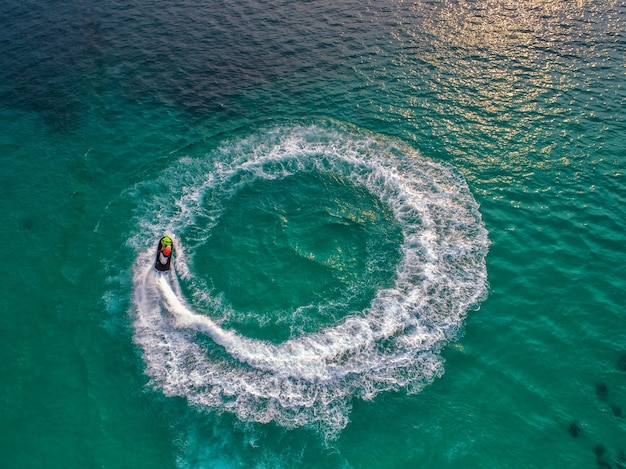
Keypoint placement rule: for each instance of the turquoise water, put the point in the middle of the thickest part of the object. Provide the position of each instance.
(398, 228)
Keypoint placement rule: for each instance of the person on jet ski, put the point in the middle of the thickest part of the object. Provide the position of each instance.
(167, 246)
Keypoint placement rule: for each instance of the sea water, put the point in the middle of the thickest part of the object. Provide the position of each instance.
(398, 234)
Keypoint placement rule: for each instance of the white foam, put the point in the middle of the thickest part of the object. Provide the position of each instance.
(393, 344)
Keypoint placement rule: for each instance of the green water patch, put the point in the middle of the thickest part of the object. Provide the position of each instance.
(294, 254)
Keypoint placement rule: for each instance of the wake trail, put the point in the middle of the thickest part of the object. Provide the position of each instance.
(392, 344)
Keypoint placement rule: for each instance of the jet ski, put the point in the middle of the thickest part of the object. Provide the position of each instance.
(164, 254)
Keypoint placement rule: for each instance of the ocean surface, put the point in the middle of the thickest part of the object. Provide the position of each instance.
(398, 225)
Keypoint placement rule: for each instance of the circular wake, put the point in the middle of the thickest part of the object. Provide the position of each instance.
(393, 343)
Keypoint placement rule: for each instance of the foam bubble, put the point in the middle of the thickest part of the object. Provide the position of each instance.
(392, 344)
